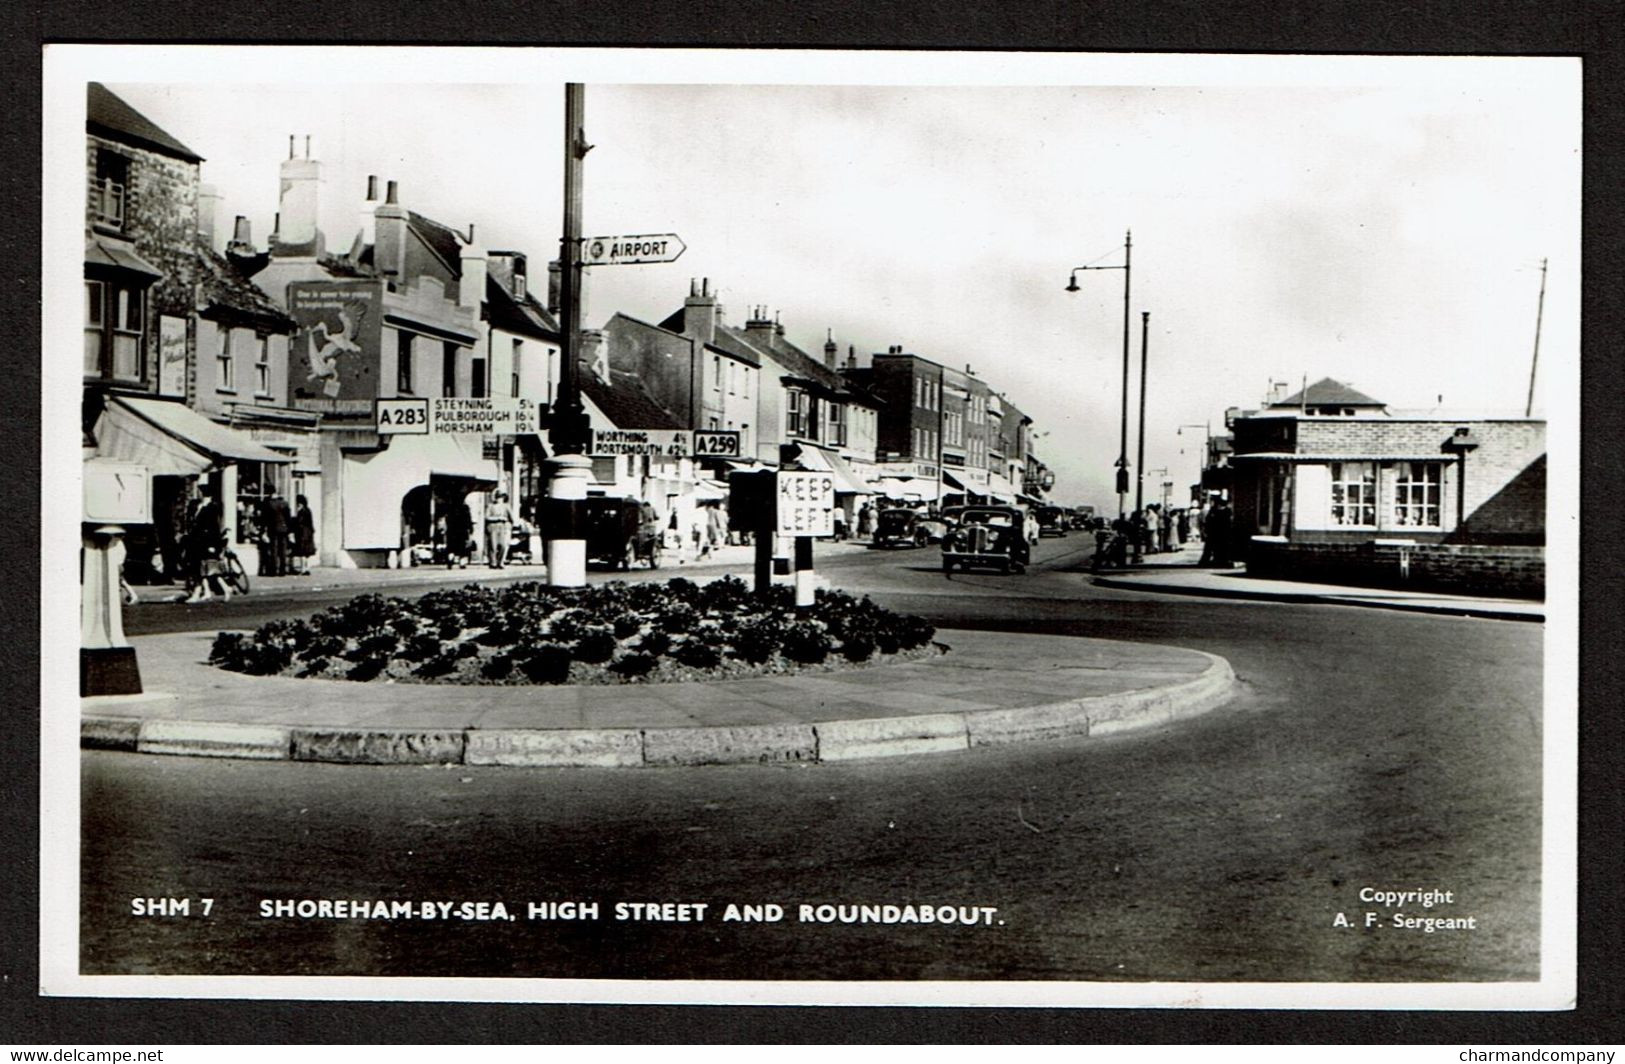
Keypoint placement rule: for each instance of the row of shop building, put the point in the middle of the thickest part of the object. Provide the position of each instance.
(232, 371)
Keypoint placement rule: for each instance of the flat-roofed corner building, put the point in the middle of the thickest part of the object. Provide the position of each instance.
(1331, 485)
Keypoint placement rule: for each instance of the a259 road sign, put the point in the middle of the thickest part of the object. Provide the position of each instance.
(631, 250)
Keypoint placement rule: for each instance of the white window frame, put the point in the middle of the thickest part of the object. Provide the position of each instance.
(262, 366)
(1353, 495)
(225, 364)
(1407, 489)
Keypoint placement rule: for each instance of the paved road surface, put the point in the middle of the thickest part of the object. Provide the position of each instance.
(1369, 750)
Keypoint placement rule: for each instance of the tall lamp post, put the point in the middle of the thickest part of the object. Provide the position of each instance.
(1122, 445)
(1201, 460)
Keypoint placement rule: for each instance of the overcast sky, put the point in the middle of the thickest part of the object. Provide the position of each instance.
(1381, 222)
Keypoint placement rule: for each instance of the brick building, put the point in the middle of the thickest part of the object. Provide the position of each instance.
(184, 358)
(1355, 493)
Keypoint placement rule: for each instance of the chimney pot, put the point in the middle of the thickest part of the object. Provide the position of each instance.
(391, 194)
(372, 187)
(307, 145)
(240, 232)
(290, 146)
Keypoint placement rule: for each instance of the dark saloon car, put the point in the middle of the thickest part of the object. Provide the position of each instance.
(992, 537)
(902, 527)
(622, 531)
(1052, 520)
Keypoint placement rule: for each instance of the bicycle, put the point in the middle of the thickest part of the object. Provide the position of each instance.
(233, 573)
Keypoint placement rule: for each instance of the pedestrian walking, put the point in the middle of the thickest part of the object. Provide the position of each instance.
(498, 527)
(304, 536)
(1165, 529)
(275, 524)
(1216, 536)
(459, 534)
(866, 520)
(205, 551)
(716, 526)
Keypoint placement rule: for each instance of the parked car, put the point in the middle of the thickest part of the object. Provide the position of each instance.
(622, 531)
(901, 527)
(1081, 518)
(1052, 520)
(988, 537)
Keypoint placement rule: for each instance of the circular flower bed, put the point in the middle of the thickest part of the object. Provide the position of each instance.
(611, 633)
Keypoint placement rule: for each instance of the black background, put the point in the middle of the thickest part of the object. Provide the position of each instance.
(1451, 27)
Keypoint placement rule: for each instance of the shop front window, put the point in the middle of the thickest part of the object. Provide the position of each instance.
(254, 479)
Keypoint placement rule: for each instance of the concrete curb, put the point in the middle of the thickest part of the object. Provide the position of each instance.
(1489, 613)
(842, 740)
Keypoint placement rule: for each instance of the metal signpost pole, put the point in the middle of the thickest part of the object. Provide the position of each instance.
(569, 468)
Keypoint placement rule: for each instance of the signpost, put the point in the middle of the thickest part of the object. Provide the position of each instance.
(806, 504)
(457, 415)
(656, 443)
(631, 250)
(716, 443)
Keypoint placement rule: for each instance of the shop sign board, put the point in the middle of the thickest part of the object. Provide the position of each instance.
(806, 504)
(655, 443)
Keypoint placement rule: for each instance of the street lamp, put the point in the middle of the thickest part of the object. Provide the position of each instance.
(1207, 435)
(1122, 447)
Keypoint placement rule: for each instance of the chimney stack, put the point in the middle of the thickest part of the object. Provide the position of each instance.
(851, 356)
(298, 235)
(832, 350)
(471, 283)
(389, 244)
(240, 251)
(208, 215)
(701, 312)
(369, 229)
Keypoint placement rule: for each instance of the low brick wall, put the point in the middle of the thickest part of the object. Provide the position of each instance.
(1510, 572)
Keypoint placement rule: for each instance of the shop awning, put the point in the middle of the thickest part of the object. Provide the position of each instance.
(916, 488)
(710, 491)
(846, 481)
(171, 439)
(1000, 488)
(953, 481)
(99, 252)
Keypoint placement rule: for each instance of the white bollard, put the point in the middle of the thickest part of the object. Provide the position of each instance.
(567, 558)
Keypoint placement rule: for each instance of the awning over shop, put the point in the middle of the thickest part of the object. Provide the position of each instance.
(99, 252)
(953, 482)
(376, 480)
(916, 488)
(1000, 488)
(847, 482)
(171, 439)
(710, 491)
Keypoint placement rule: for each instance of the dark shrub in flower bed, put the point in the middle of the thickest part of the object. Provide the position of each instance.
(609, 633)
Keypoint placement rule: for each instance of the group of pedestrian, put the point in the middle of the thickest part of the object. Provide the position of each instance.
(286, 537)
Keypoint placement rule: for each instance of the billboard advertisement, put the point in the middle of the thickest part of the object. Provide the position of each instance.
(335, 353)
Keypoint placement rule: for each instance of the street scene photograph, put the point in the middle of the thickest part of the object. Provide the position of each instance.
(790, 527)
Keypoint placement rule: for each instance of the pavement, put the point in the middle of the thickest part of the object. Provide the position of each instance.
(984, 689)
(1177, 573)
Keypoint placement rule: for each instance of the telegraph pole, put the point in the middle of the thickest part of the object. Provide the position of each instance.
(569, 468)
(1540, 309)
(1122, 441)
(1139, 457)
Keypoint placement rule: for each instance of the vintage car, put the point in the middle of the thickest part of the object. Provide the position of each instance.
(901, 527)
(1052, 520)
(622, 531)
(990, 537)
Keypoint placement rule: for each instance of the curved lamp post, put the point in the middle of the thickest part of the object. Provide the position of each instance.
(1122, 448)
